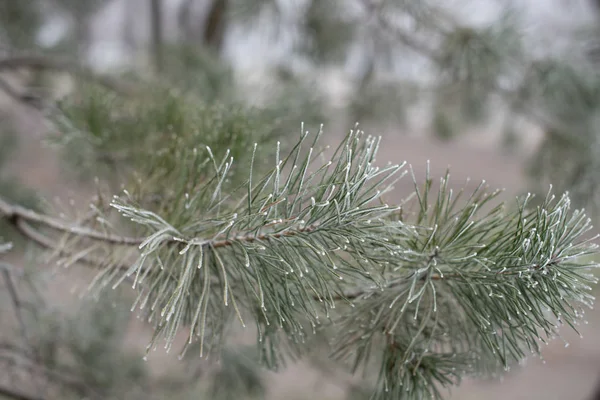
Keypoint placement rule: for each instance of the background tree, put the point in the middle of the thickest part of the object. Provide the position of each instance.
(295, 238)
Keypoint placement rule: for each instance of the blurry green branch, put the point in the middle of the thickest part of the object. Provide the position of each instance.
(58, 64)
(55, 357)
(478, 68)
(35, 367)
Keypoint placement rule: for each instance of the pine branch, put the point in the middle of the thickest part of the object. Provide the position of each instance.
(480, 55)
(445, 291)
(43, 62)
(428, 268)
(495, 302)
(375, 13)
(58, 374)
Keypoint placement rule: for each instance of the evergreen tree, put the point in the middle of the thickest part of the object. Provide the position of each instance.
(220, 214)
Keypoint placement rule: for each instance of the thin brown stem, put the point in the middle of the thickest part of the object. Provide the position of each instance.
(14, 213)
(44, 241)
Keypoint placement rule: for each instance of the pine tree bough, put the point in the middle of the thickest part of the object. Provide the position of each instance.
(43, 62)
(441, 286)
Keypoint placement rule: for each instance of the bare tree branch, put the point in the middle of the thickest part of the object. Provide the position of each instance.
(13, 213)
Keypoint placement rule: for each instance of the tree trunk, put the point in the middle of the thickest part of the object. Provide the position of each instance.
(82, 34)
(156, 26)
(214, 29)
(184, 18)
(129, 36)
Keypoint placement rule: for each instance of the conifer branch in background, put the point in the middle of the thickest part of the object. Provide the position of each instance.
(56, 64)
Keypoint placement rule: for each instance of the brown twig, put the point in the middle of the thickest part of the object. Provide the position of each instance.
(15, 213)
(44, 241)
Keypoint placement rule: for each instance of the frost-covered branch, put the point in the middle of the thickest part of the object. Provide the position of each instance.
(440, 286)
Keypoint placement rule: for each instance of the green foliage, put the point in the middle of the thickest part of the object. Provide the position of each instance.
(329, 31)
(471, 63)
(152, 142)
(159, 140)
(232, 227)
(434, 294)
(470, 294)
(237, 376)
(569, 100)
(382, 101)
(566, 93)
(273, 209)
(198, 71)
(479, 56)
(19, 21)
(246, 12)
(94, 337)
(80, 351)
(572, 163)
(443, 125)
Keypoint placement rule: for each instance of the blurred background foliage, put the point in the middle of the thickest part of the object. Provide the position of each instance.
(190, 93)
